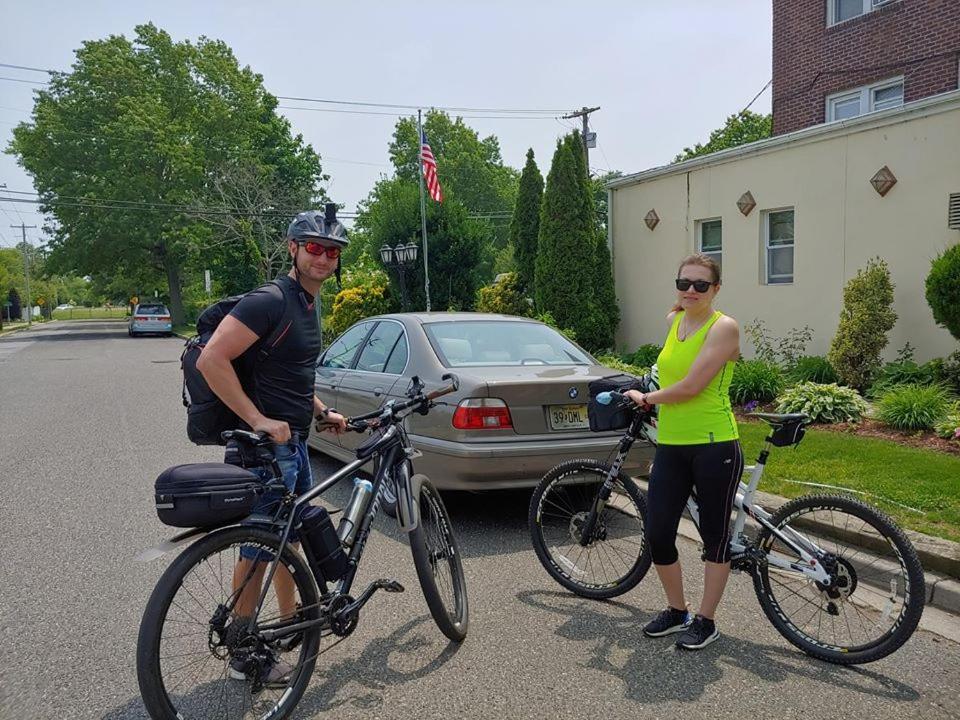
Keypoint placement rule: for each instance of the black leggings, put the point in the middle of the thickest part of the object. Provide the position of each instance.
(714, 470)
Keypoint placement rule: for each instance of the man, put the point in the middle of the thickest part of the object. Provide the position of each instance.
(281, 400)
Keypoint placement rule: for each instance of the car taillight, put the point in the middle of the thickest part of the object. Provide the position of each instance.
(482, 414)
(165, 318)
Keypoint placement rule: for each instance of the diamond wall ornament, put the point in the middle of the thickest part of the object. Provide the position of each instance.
(651, 219)
(746, 203)
(883, 180)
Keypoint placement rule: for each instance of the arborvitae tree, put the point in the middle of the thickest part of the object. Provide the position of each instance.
(565, 247)
(525, 224)
(602, 315)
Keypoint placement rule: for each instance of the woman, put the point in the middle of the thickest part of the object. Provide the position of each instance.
(698, 448)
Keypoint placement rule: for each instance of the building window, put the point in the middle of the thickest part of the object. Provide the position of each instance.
(839, 11)
(868, 98)
(710, 239)
(778, 246)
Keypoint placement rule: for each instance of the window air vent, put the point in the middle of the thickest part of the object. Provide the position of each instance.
(953, 212)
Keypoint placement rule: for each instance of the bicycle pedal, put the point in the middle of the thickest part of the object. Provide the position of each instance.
(392, 586)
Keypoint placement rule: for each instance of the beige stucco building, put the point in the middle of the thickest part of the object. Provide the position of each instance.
(817, 220)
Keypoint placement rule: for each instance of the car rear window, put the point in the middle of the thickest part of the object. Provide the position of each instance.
(476, 343)
(152, 310)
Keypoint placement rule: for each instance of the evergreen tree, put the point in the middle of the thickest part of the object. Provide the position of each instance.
(525, 224)
(601, 313)
(565, 247)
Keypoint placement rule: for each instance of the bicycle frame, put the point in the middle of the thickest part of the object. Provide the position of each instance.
(394, 452)
(808, 552)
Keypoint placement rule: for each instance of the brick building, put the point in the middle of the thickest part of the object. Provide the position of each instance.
(837, 59)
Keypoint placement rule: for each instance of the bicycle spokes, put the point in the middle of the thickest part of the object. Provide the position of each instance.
(868, 590)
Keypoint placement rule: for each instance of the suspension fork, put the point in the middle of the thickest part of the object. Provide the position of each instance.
(603, 494)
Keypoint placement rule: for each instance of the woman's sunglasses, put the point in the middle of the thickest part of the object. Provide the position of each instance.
(315, 248)
(701, 286)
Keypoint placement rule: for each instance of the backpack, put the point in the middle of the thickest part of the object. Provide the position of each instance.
(207, 415)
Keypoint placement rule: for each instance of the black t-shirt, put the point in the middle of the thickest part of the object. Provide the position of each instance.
(283, 383)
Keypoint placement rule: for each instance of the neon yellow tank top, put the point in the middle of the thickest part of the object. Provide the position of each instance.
(706, 418)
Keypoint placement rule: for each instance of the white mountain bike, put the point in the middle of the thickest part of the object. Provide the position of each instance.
(835, 576)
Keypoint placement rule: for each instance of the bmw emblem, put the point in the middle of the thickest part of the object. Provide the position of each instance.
(573, 392)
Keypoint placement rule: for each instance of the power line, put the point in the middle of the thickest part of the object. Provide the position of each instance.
(142, 206)
(330, 101)
(769, 82)
(20, 80)
(25, 67)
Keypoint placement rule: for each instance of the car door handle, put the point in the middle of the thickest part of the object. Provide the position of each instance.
(377, 392)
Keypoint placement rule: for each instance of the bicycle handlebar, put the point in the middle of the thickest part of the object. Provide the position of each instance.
(392, 410)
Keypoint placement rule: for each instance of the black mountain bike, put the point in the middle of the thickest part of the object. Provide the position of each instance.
(197, 658)
(835, 576)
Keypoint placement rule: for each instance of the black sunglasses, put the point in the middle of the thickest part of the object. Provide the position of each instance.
(701, 286)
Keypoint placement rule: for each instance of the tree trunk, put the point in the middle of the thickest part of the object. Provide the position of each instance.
(177, 313)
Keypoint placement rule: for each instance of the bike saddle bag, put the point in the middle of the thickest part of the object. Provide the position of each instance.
(205, 494)
(788, 433)
(613, 416)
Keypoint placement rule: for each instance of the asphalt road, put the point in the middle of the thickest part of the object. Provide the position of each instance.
(90, 417)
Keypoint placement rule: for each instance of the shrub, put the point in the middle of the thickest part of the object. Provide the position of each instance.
(644, 356)
(948, 371)
(356, 303)
(904, 372)
(812, 368)
(948, 426)
(827, 403)
(914, 407)
(943, 289)
(756, 380)
(865, 320)
(783, 351)
(505, 297)
(612, 361)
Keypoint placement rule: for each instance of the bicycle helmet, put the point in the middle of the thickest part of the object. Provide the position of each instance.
(314, 225)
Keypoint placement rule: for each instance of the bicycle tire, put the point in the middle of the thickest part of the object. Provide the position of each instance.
(435, 548)
(156, 697)
(561, 568)
(886, 530)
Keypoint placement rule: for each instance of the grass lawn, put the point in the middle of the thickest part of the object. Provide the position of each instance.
(92, 313)
(923, 479)
(188, 330)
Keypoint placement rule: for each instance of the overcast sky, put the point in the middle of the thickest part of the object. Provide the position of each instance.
(664, 73)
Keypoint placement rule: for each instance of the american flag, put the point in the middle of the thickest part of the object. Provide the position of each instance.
(430, 169)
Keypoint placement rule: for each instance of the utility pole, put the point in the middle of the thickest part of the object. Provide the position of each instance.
(26, 270)
(588, 142)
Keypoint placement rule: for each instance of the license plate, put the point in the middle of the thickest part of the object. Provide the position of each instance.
(568, 417)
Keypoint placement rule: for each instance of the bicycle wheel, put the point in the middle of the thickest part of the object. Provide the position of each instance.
(436, 556)
(876, 592)
(189, 649)
(617, 558)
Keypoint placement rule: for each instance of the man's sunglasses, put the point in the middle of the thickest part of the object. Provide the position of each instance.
(701, 286)
(315, 248)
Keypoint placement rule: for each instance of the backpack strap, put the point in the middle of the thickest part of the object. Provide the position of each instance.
(279, 330)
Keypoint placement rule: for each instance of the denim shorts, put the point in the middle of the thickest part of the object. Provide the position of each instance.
(294, 462)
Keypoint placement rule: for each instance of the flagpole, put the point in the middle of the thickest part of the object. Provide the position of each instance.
(423, 211)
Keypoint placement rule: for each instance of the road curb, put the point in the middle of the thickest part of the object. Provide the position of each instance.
(936, 555)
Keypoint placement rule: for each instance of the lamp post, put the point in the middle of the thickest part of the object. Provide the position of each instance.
(400, 258)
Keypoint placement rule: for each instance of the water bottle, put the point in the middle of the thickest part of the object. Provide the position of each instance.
(359, 500)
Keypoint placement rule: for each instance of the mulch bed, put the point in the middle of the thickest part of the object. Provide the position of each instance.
(871, 428)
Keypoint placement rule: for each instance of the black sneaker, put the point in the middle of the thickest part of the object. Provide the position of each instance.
(668, 621)
(701, 633)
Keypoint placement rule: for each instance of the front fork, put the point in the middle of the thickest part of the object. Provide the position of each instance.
(589, 529)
